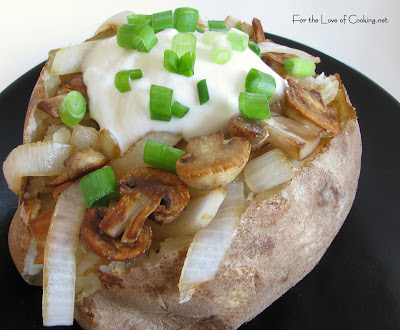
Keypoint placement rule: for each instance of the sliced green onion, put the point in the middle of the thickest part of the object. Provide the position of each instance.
(200, 30)
(160, 102)
(161, 155)
(99, 187)
(162, 20)
(211, 36)
(260, 82)
(171, 61)
(179, 110)
(202, 90)
(123, 77)
(186, 64)
(254, 106)
(125, 35)
(217, 26)
(183, 42)
(299, 67)
(183, 65)
(238, 39)
(144, 39)
(254, 47)
(73, 108)
(140, 37)
(139, 19)
(186, 19)
(221, 51)
(237, 26)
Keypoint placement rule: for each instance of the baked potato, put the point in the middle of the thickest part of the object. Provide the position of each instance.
(256, 232)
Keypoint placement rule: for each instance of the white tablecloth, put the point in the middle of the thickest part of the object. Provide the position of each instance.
(362, 33)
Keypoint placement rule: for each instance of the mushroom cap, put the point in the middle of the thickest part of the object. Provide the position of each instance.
(106, 246)
(156, 183)
(211, 161)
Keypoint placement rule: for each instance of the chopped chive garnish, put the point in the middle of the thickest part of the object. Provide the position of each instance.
(299, 67)
(144, 39)
(139, 19)
(238, 39)
(219, 26)
(140, 37)
(179, 110)
(99, 187)
(161, 155)
(186, 64)
(160, 102)
(183, 42)
(202, 90)
(186, 19)
(162, 20)
(125, 35)
(254, 47)
(171, 61)
(183, 65)
(254, 106)
(123, 77)
(260, 82)
(221, 51)
(211, 36)
(237, 26)
(200, 30)
(73, 108)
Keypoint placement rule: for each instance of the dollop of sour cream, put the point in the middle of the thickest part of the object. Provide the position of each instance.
(127, 115)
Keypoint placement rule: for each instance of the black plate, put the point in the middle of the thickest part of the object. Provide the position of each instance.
(357, 283)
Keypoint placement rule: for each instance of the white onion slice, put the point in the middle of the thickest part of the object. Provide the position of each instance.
(328, 86)
(35, 159)
(59, 270)
(85, 137)
(272, 47)
(211, 243)
(294, 138)
(198, 214)
(231, 22)
(109, 144)
(268, 170)
(69, 59)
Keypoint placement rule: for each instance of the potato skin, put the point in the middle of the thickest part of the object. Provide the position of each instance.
(19, 239)
(277, 244)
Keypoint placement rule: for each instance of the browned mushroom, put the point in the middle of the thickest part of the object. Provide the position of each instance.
(74, 83)
(106, 246)
(51, 106)
(145, 191)
(307, 107)
(292, 137)
(84, 161)
(276, 61)
(129, 216)
(259, 35)
(253, 130)
(168, 188)
(59, 180)
(211, 161)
